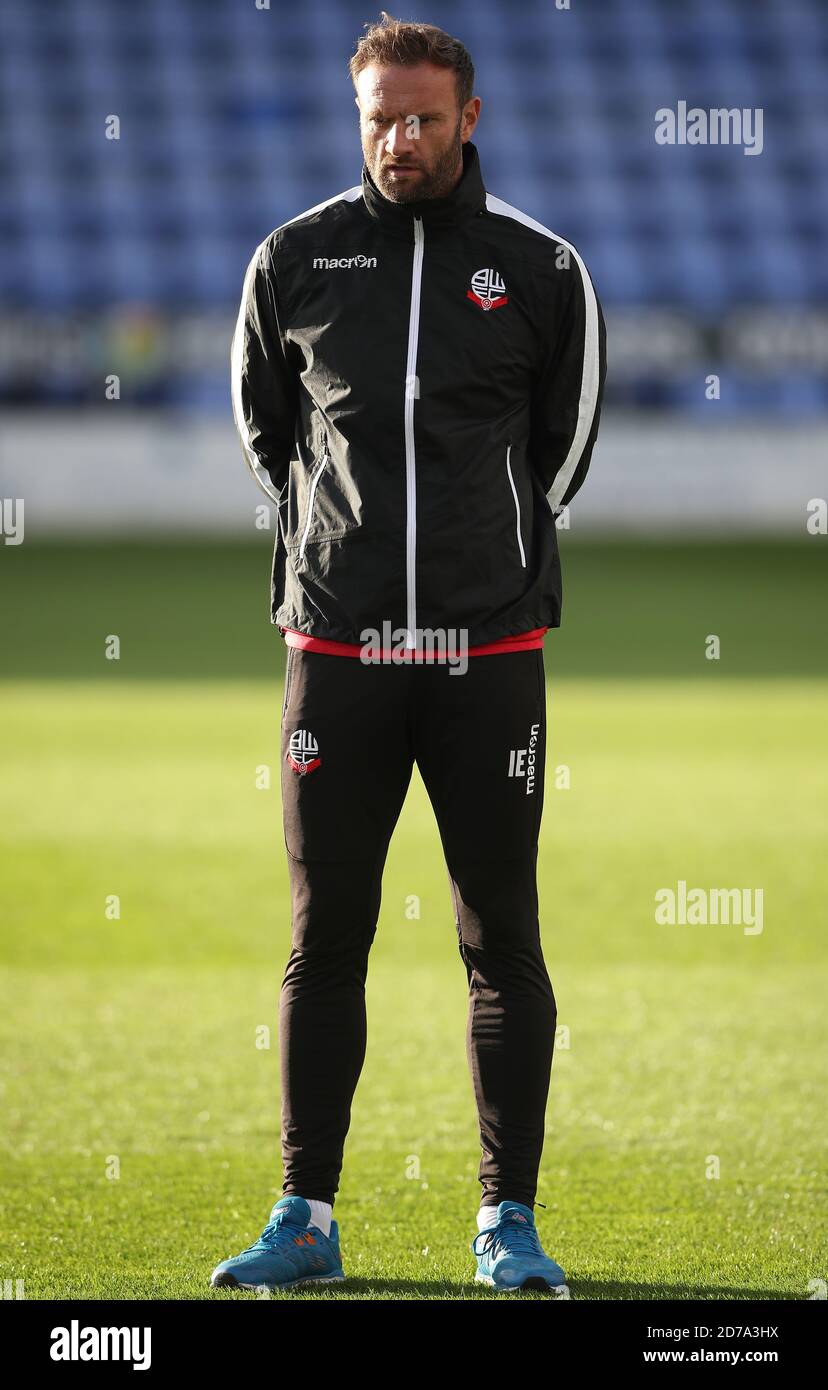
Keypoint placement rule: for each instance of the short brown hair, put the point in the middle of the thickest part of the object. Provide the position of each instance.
(403, 42)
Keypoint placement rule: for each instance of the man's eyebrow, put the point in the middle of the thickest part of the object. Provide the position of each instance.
(375, 111)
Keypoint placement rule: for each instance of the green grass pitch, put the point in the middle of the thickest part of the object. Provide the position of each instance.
(140, 1106)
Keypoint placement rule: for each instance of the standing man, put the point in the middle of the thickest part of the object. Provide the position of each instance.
(417, 375)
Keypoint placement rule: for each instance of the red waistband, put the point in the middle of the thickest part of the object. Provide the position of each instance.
(519, 642)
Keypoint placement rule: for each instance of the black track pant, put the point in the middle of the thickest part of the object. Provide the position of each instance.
(478, 739)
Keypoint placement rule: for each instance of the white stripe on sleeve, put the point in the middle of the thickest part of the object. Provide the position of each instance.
(591, 368)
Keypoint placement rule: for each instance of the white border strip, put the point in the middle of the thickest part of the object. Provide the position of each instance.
(349, 195)
(252, 459)
(591, 369)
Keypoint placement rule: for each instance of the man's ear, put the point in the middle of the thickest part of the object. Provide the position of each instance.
(471, 115)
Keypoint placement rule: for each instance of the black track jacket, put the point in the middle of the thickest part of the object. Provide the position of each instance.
(417, 387)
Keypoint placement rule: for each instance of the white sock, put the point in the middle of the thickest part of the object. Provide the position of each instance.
(321, 1215)
(486, 1218)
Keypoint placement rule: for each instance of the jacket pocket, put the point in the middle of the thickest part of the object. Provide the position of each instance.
(314, 483)
(325, 504)
(516, 504)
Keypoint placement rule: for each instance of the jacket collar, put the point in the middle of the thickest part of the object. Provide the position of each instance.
(467, 198)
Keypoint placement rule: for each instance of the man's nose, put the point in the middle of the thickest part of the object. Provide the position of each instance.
(396, 141)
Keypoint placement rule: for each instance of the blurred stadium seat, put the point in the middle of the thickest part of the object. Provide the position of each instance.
(234, 119)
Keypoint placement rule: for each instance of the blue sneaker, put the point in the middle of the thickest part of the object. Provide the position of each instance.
(288, 1252)
(510, 1255)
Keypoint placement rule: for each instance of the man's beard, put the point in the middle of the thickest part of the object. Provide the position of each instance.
(434, 182)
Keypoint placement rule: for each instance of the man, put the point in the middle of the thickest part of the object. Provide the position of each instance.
(417, 375)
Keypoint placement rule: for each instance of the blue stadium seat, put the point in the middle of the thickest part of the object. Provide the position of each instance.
(235, 119)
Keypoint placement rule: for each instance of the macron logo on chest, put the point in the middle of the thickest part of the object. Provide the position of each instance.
(344, 262)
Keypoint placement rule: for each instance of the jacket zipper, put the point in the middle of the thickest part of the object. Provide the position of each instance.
(517, 506)
(318, 471)
(410, 475)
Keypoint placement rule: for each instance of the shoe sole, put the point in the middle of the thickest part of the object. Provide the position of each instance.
(534, 1283)
(229, 1281)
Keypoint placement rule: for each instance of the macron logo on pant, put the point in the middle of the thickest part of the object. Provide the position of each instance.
(522, 760)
